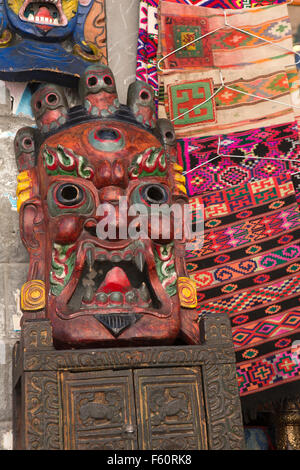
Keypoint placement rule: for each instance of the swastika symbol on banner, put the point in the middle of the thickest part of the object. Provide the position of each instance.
(186, 96)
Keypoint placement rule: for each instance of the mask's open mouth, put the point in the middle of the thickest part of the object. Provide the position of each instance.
(48, 13)
(114, 280)
(118, 286)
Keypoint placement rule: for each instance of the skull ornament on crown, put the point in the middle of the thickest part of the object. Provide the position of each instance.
(96, 291)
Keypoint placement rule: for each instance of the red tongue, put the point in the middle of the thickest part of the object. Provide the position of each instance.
(115, 281)
(43, 11)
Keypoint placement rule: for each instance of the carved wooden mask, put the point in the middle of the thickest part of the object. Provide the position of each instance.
(96, 292)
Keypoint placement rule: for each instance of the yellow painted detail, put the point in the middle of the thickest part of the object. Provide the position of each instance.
(180, 178)
(187, 292)
(181, 188)
(6, 38)
(94, 57)
(177, 167)
(33, 295)
(24, 188)
(70, 8)
(22, 198)
(15, 5)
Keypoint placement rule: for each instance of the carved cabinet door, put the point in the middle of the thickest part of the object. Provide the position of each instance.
(98, 410)
(153, 408)
(170, 409)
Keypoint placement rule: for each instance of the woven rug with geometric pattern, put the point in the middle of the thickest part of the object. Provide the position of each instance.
(249, 267)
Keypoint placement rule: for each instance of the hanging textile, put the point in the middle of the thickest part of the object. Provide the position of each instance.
(227, 47)
(249, 267)
(229, 3)
(240, 153)
(264, 152)
(148, 31)
(229, 110)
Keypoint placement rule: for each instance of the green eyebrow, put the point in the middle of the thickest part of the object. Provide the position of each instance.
(152, 162)
(62, 161)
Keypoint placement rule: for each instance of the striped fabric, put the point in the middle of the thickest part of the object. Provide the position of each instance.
(247, 263)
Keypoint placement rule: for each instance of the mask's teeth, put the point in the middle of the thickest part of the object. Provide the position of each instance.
(115, 258)
(116, 298)
(102, 297)
(140, 261)
(144, 293)
(90, 258)
(102, 257)
(131, 297)
(89, 286)
(88, 294)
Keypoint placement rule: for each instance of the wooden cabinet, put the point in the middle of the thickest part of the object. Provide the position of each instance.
(98, 410)
(170, 408)
(133, 409)
(157, 398)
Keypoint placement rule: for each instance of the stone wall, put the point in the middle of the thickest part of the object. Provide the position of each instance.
(122, 29)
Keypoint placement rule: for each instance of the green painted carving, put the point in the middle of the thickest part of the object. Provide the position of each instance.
(152, 162)
(62, 267)
(62, 161)
(165, 268)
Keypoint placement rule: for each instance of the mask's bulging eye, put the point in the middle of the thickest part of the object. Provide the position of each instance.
(154, 194)
(69, 198)
(28, 143)
(92, 81)
(52, 99)
(108, 80)
(145, 95)
(69, 194)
